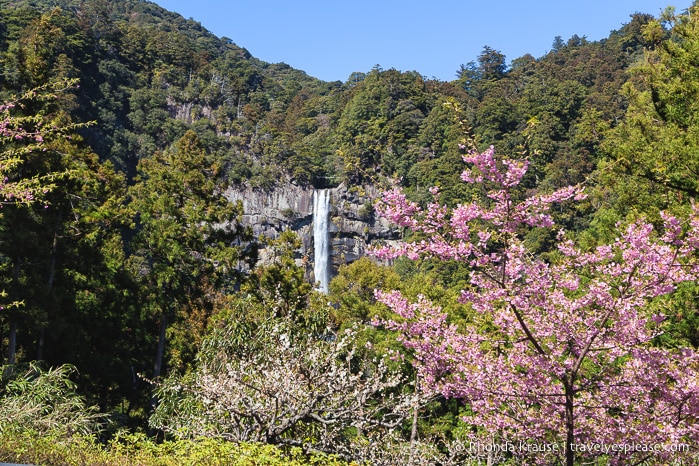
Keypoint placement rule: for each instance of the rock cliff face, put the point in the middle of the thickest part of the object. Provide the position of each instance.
(353, 225)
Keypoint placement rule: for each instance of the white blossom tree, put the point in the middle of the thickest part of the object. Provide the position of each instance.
(280, 384)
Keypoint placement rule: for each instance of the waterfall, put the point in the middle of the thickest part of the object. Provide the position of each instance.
(321, 238)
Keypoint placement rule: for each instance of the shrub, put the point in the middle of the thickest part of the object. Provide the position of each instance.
(44, 401)
(137, 449)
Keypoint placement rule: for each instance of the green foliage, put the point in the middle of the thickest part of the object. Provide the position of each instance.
(654, 147)
(43, 402)
(384, 112)
(352, 291)
(130, 449)
(185, 223)
(280, 284)
(31, 123)
(61, 207)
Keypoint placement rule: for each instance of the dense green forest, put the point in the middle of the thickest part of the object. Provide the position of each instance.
(130, 287)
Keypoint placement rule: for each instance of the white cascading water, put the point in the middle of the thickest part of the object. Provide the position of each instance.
(321, 238)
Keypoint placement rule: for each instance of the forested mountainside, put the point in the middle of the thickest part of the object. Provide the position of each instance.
(125, 123)
(146, 75)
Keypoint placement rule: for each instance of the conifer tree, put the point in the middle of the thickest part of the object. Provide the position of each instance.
(656, 143)
(188, 233)
(35, 137)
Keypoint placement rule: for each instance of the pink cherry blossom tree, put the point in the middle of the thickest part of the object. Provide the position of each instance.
(561, 357)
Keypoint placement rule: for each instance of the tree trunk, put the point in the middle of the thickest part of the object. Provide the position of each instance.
(570, 424)
(413, 435)
(159, 355)
(413, 429)
(12, 343)
(12, 338)
(158, 366)
(51, 280)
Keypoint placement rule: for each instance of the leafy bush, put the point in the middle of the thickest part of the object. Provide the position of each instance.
(44, 401)
(137, 449)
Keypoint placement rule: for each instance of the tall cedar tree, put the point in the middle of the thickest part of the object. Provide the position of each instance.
(36, 170)
(657, 141)
(187, 231)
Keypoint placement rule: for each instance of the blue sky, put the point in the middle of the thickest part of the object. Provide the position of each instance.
(331, 39)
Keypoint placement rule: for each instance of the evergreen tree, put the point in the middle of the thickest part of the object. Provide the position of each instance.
(37, 163)
(188, 233)
(656, 144)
